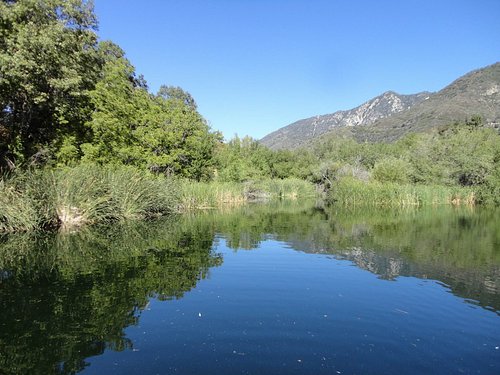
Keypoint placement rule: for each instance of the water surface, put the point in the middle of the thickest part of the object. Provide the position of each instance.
(262, 289)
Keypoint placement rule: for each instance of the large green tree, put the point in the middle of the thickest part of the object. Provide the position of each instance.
(118, 102)
(48, 65)
(177, 139)
(162, 132)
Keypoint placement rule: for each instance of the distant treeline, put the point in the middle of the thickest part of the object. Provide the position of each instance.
(464, 156)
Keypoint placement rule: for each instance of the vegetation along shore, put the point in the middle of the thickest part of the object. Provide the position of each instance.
(84, 141)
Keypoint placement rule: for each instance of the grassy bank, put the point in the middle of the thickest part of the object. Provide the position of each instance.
(90, 194)
(353, 192)
(200, 195)
(74, 197)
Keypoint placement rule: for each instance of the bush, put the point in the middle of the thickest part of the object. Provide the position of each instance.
(392, 170)
(489, 192)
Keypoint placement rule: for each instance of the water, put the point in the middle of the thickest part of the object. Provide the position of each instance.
(276, 289)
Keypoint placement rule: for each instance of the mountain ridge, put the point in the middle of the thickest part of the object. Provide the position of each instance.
(390, 115)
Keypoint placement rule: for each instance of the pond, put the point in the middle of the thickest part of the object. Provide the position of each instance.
(284, 288)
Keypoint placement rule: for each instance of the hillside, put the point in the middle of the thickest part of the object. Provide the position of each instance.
(390, 116)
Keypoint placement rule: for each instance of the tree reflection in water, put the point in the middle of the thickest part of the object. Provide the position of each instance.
(67, 297)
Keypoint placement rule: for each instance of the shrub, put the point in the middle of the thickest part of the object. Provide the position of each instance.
(392, 170)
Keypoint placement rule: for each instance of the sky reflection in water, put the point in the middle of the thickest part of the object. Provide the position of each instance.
(317, 292)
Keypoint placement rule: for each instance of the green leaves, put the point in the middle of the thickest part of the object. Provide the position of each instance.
(392, 170)
(162, 133)
(48, 63)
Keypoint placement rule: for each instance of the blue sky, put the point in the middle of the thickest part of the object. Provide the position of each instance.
(254, 66)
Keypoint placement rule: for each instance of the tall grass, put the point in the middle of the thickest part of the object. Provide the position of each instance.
(352, 192)
(90, 194)
(17, 211)
(216, 194)
(87, 194)
(290, 188)
(210, 194)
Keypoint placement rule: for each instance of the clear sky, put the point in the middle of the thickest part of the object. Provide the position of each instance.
(254, 66)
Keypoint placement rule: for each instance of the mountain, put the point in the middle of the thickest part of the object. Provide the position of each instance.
(390, 116)
(303, 131)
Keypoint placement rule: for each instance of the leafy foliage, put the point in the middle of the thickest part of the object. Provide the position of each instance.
(160, 133)
(48, 65)
(392, 170)
(459, 155)
(64, 98)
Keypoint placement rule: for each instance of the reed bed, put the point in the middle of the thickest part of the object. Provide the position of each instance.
(90, 194)
(352, 192)
(203, 195)
(87, 194)
(290, 188)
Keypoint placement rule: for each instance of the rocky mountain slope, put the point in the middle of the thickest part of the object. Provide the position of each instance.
(390, 115)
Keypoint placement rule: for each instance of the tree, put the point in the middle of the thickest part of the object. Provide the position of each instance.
(391, 169)
(462, 154)
(48, 64)
(119, 101)
(174, 93)
(159, 132)
(243, 159)
(177, 140)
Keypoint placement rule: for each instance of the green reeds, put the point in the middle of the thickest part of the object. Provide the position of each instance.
(17, 212)
(290, 188)
(91, 194)
(200, 195)
(87, 194)
(216, 194)
(352, 192)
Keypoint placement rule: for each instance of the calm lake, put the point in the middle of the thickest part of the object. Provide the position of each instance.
(263, 289)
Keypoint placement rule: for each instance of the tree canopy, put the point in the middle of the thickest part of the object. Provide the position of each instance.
(64, 98)
(49, 63)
